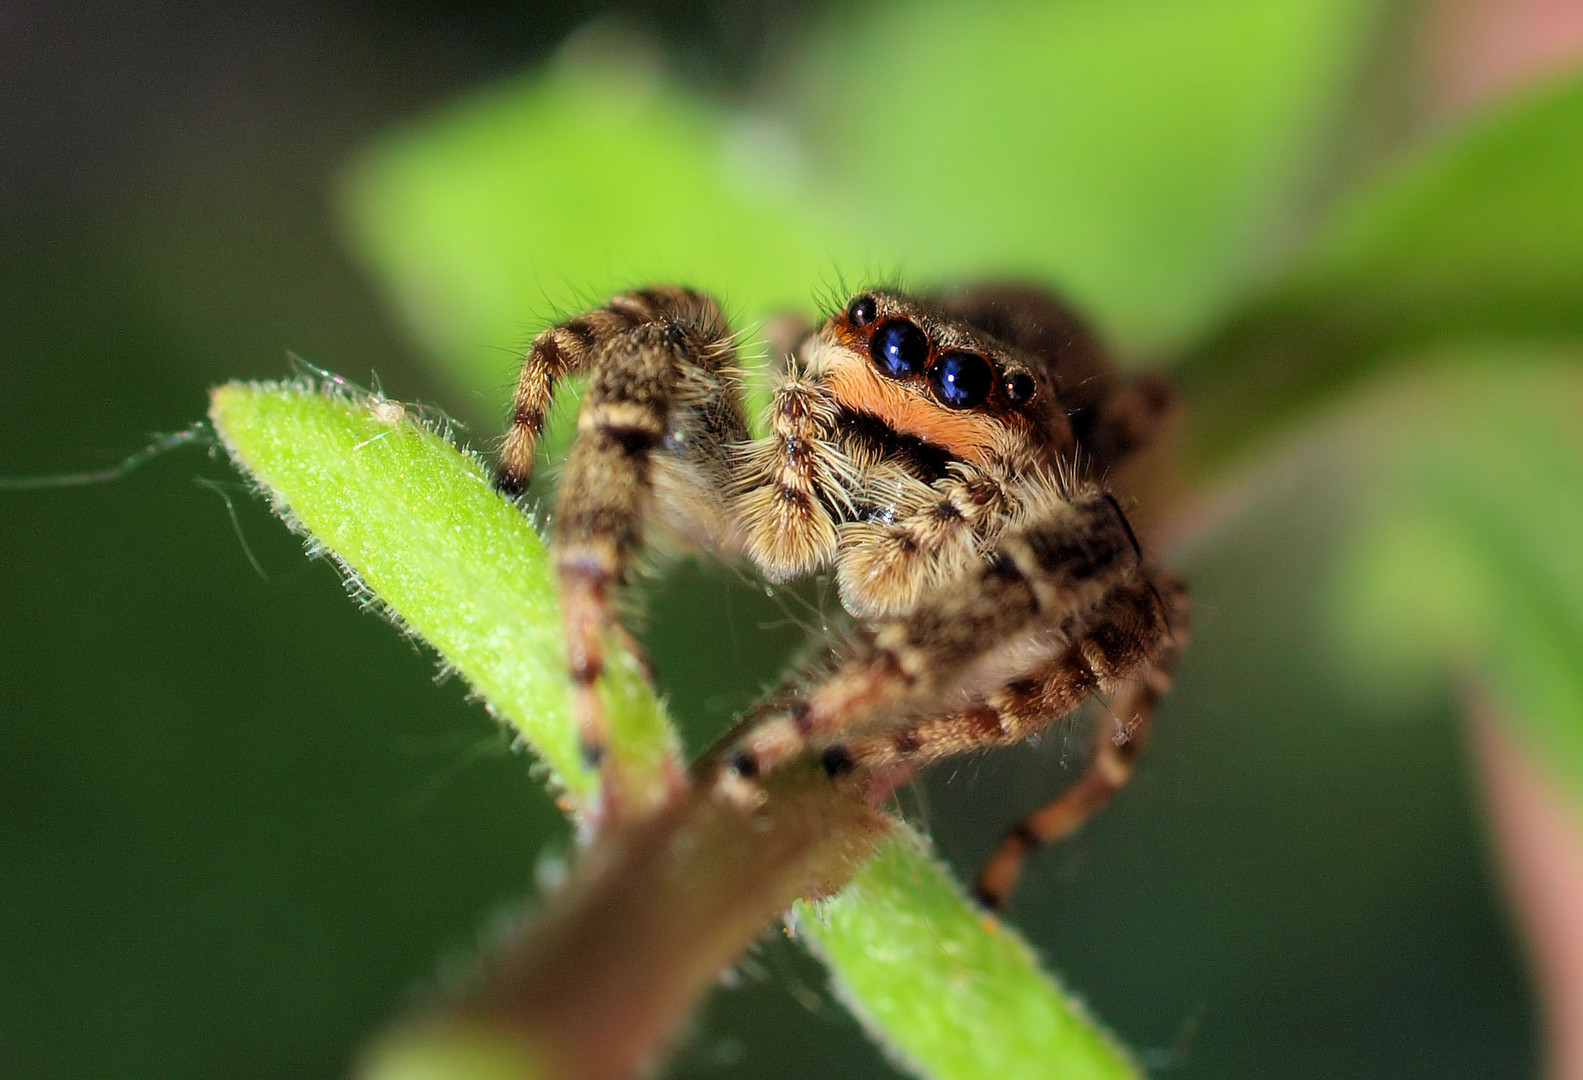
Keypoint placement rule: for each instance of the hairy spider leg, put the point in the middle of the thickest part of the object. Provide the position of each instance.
(661, 367)
(1118, 741)
(1108, 647)
(1040, 576)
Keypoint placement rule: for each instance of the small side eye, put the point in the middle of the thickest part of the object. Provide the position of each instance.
(861, 310)
(962, 380)
(1019, 387)
(900, 349)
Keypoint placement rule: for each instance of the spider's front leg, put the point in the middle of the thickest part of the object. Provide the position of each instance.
(660, 365)
(1011, 611)
(1118, 740)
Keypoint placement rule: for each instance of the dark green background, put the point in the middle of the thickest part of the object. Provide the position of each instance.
(240, 825)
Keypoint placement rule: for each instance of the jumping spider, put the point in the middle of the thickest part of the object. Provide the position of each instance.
(947, 456)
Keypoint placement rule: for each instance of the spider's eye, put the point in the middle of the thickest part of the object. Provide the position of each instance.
(962, 379)
(1019, 387)
(900, 349)
(861, 310)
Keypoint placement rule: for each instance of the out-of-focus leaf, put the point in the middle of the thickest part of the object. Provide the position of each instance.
(418, 524)
(545, 195)
(1137, 153)
(1471, 564)
(948, 993)
(1478, 238)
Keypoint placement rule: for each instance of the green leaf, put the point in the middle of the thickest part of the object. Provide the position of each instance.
(419, 530)
(1479, 237)
(545, 195)
(421, 533)
(1137, 153)
(947, 991)
(1468, 564)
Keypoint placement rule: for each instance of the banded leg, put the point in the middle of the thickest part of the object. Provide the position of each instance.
(655, 359)
(884, 569)
(1040, 577)
(575, 344)
(1118, 642)
(788, 483)
(1118, 740)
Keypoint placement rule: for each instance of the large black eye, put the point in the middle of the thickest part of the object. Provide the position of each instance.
(900, 349)
(962, 379)
(861, 310)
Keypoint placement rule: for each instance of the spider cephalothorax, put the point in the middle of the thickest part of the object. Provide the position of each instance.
(940, 380)
(945, 455)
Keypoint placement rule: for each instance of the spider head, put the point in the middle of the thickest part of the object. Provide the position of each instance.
(938, 378)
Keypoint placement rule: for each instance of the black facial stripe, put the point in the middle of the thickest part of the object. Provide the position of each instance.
(926, 460)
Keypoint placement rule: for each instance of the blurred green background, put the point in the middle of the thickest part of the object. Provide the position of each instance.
(240, 823)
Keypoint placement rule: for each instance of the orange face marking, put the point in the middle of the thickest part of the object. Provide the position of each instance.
(967, 435)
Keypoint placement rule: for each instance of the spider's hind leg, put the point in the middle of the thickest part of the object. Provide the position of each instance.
(1129, 646)
(662, 402)
(1119, 738)
(1124, 635)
